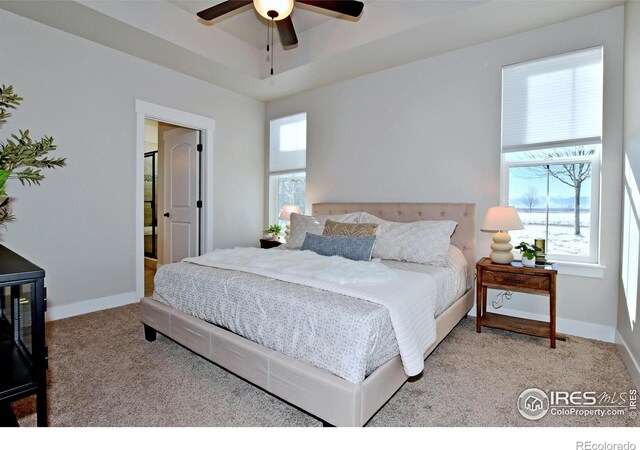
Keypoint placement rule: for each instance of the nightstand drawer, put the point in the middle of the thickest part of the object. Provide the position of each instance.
(516, 280)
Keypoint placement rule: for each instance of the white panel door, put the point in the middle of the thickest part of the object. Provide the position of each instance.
(180, 195)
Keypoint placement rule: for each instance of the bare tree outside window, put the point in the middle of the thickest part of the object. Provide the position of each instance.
(291, 191)
(530, 198)
(573, 175)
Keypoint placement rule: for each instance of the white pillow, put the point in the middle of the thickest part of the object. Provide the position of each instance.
(424, 242)
(301, 225)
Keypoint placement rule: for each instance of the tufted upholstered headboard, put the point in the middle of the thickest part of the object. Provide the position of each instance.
(464, 236)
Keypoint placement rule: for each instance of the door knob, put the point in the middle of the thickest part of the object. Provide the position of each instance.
(167, 214)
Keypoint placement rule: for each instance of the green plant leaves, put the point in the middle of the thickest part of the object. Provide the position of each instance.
(23, 157)
(6, 216)
(276, 229)
(21, 152)
(529, 251)
(8, 100)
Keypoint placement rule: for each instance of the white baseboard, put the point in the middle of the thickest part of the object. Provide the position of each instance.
(629, 360)
(88, 306)
(565, 326)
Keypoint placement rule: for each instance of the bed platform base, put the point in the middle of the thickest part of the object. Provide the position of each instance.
(333, 400)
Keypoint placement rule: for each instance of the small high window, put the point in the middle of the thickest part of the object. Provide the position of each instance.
(287, 163)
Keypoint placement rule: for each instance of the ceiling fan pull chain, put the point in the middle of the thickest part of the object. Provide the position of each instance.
(272, 45)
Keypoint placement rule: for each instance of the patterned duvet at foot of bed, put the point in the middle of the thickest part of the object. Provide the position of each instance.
(346, 336)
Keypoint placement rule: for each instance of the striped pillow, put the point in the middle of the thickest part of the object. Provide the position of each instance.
(333, 228)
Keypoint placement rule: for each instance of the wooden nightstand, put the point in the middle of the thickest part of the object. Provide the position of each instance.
(538, 280)
(269, 243)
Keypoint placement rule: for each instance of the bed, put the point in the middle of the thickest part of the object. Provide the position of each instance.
(331, 398)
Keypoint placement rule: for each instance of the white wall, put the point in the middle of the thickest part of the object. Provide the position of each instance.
(628, 335)
(79, 225)
(430, 131)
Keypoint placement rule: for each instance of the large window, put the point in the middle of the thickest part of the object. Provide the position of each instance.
(551, 148)
(287, 164)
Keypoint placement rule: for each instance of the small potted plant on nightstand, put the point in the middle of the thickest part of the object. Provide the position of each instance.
(272, 231)
(528, 252)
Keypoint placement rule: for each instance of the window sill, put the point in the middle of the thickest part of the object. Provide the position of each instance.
(588, 270)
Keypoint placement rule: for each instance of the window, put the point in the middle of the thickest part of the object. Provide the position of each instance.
(287, 164)
(551, 147)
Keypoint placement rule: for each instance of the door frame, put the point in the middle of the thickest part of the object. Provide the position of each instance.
(206, 126)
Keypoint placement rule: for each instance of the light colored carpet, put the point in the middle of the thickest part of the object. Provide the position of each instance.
(102, 373)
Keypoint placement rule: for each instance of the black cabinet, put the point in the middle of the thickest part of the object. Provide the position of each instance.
(23, 353)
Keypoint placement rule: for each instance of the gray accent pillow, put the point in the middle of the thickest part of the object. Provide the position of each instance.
(423, 242)
(300, 225)
(352, 247)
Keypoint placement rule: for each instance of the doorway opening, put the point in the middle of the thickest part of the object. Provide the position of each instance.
(150, 219)
(151, 204)
(174, 171)
(172, 196)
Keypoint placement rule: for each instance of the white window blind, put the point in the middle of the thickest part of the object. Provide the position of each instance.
(288, 143)
(553, 102)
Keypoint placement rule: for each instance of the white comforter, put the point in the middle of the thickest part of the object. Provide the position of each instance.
(408, 296)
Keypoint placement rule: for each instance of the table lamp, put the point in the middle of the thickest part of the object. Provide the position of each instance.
(285, 214)
(499, 220)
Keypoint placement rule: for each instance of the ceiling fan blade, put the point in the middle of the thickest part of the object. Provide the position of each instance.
(222, 9)
(351, 8)
(287, 32)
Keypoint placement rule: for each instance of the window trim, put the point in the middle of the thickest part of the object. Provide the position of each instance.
(596, 175)
(587, 270)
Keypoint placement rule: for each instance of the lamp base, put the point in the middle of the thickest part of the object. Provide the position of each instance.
(287, 232)
(501, 257)
(501, 247)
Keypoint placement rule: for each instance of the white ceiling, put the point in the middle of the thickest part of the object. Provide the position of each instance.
(231, 51)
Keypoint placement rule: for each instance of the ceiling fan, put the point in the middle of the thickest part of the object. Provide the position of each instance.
(280, 12)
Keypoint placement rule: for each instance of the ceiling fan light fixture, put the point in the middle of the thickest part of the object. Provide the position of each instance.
(282, 8)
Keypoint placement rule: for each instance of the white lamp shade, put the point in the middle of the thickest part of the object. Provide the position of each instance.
(502, 218)
(282, 7)
(285, 214)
